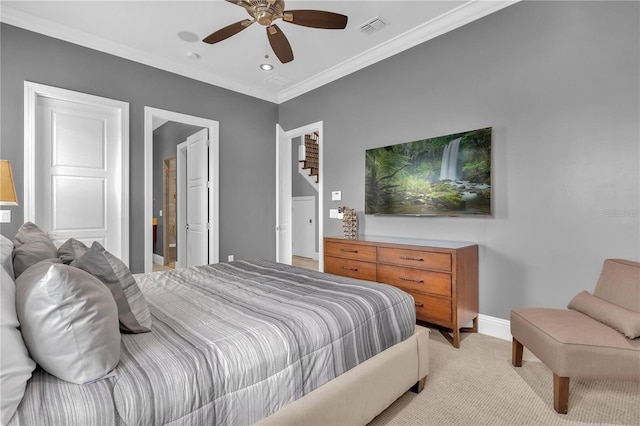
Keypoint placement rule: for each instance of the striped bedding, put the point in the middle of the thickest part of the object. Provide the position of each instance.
(230, 344)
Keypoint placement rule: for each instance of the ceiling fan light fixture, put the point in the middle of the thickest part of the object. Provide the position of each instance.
(266, 67)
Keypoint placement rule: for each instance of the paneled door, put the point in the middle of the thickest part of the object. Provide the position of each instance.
(193, 200)
(77, 168)
(304, 226)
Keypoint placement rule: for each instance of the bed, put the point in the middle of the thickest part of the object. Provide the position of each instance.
(248, 342)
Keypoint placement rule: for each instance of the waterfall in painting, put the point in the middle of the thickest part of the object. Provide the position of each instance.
(449, 165)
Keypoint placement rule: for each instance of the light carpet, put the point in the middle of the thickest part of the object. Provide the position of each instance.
(477, 385)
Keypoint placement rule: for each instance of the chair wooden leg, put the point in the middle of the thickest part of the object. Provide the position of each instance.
(516, 353)
(560, 394)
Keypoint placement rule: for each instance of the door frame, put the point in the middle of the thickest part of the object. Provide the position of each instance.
(31, 93)
(286, 162)
(214, 178)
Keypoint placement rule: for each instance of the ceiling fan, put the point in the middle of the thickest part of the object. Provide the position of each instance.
(265, 12)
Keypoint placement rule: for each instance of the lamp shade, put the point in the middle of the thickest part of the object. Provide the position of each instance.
(8, 196)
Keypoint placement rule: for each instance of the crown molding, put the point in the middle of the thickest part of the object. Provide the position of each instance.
(456, 18)
(36, 24)
(464, 14)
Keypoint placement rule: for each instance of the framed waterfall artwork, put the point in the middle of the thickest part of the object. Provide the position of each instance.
(442, 176)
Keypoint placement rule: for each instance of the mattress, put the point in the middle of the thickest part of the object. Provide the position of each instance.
(230, 343)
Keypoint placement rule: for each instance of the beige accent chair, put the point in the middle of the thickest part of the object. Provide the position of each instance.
(597, 337)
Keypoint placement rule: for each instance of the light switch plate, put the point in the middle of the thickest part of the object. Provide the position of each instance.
(334, 214)
(5, 216)
(336, 195)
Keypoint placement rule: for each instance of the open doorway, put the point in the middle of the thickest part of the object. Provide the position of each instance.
(287, 152)
(156, 115)
(167, 135)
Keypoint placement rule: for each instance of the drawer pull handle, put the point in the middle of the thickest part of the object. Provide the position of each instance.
(349, 251)
(411, 280)
(346, 268)
(419, 305)
(415, 259)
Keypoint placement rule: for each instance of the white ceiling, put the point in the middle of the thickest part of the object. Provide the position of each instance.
(148, 32)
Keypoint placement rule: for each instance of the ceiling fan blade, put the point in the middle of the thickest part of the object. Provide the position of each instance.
(227, 31)
(316, 19)
(279, 44)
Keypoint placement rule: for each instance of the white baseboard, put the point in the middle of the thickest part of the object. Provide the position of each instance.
(496, 327)
(157, 259)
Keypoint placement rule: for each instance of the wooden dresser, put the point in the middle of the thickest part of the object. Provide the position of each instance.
(442, 276)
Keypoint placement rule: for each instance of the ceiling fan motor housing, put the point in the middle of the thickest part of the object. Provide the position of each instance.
(265, 12)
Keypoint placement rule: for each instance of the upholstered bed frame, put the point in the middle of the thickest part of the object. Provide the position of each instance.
(360, 394)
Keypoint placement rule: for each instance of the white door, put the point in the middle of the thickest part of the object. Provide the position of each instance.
(304, 226)
(78, 185)
(193, 200)
(283, 196)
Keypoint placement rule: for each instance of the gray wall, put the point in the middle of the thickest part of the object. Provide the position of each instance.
(247, 182)
(559, 83)
(165, 141)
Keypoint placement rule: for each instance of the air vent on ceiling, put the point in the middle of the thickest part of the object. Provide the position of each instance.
(279, 80)
(373, 25)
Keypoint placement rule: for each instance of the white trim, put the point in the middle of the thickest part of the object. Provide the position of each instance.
(214, 178)
(31, 93)
(464, 14)
(157, 259)
(496, 327)
(49, 28)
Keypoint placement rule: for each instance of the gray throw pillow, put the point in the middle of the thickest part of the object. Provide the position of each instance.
(69, 321)
(30, 246)
(133, 311)
(71, 250)
(6, 255)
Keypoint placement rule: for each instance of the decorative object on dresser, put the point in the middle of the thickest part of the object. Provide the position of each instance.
(349, 223)
(442, 276)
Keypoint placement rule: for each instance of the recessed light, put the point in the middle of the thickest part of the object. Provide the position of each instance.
(188, 36)
(266, 67)
(193, 56)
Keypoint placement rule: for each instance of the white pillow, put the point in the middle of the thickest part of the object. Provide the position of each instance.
(15, 364)
(69, 321)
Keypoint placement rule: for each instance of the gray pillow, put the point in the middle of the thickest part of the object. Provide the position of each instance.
(69, 321)
(133, 311)
(625, 321)
(30, 246)
(6, 255)
(71, 250)
(15, 364)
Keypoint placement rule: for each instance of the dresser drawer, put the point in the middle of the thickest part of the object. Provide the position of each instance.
(433, 309)
(411, 279)
(351, 251)
(350, 268)
(415, 258)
